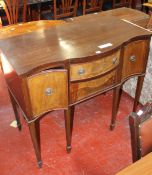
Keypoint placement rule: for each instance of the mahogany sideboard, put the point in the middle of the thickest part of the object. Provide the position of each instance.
(61, 66)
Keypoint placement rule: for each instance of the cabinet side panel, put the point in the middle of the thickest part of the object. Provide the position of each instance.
(14, 83)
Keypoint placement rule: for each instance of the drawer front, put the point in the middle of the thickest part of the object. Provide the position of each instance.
(94, 68)
(48, 90)
(135, 58)
(82, 90)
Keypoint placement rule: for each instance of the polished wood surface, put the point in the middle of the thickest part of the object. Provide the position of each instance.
(25, 28)
(36, 57)
(131, 15)
(134, 16)
(49, 68)
(141, 167)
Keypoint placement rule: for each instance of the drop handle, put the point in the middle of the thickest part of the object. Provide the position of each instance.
(48, 91)
(114, 60)
(81, 71)
(132, 58)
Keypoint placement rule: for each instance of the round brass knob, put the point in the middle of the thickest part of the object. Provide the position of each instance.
(132, 58)
(48, 91)
(81, 71)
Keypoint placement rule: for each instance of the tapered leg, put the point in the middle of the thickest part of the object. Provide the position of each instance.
(69, 116)
(138, 92)
(35, 136)
(15, 108)
(116, 100)
(72, 117)
(119, 97)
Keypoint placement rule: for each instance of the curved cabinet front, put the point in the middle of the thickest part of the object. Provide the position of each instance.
(47, 91)
(135, 58)
(90, 69)
(92, 77)
(86, 89)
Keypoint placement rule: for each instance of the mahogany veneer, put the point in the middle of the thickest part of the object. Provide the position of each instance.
(64, 65)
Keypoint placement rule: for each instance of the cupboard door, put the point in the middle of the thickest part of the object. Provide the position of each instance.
(48, 91)
(135, 58)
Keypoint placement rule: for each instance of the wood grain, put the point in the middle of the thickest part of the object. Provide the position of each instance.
(141, 167)
(25, 28)
(137, 49)
(40, 61)
(67, 42)
(38, 85)
(83, 90)
(94, 68)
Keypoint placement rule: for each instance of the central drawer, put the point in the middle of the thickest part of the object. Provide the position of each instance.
(87, 89)
(81, 71)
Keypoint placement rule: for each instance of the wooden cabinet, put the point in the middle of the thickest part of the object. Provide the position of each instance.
(135, 58)
(64, 65)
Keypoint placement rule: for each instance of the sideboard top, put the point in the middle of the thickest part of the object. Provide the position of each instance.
(84, 36)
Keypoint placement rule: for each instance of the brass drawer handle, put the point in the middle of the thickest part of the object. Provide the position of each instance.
(48, 91)
(114, 60)
(81, 71)
(132, 58)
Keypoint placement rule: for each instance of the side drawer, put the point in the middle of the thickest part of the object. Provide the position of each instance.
(135, 58)
(48, 90)
(91, 69)
(82, 90)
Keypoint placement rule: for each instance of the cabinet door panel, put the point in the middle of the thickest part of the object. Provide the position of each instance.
(135, 58)
(48, 90)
